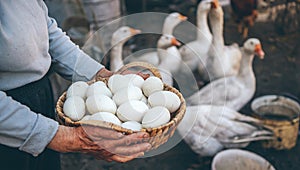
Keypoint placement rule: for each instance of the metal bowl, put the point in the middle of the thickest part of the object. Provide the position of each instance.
(280, 114)
(239, 159)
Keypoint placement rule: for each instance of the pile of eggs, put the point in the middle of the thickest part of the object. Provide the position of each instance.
(127, 100)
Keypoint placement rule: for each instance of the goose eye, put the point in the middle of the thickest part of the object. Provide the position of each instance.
(124, 31)
(251, 43)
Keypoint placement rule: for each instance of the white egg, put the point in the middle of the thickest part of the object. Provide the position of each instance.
(165, 98)
(74, 108)
(128, 93)
(107, 117)
(156, 117)
(86, 117)
(132, 125)
(78, 89)
(117, 82)
(134, 79)
(144, 99)
(100, 103)
(132, 110)
(98, 88)
(151, 85)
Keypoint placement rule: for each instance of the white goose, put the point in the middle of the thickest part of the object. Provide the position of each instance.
(207, 129)
(119, 37)
(169, 62)
(235, 91)
(222, 61)
(171, 21)
(193, 51)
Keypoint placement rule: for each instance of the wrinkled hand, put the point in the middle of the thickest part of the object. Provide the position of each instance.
(100, 142)
(104, 73)
(144, 76)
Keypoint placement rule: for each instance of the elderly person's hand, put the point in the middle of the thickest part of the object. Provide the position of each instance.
(102, 143)
(104, 73)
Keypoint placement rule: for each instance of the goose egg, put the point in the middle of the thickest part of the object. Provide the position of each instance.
(165, 98)
(126, 94)
(151, 85)
(74, 108)
(156, 117)
(132, 125)
(78, 89)
(98, 88)
(86, 117)
(107, 117)
(132, 110)
(100, 103)
(134, 79)
(117, 82)
(144, 99)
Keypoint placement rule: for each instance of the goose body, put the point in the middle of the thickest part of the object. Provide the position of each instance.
(222, 61)
(171, 21)
(207, 129)
(234, 91)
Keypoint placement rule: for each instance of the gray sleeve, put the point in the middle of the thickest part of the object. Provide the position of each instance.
(68, 59)
(23, 129)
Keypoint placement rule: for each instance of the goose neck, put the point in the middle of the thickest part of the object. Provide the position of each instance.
(168, 28)
(217, 31)
(116, 57)
(246, 70)
(202, 25)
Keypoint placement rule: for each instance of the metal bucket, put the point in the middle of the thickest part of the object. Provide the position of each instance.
(239, 159)
(281, 115)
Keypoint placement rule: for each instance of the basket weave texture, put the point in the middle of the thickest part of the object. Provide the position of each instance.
(158, 135)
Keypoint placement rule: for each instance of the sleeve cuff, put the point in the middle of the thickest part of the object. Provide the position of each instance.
(42, 133)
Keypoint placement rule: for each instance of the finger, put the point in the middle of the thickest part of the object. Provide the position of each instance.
(123, 159)
(133, 138)
(127, 140)
(144, 76)
(104, 73)
(132, 149)
(97, 133)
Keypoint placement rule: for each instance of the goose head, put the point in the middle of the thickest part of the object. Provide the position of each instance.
(166, 41)
(123, 34)
(215, 4)
(253, 46)
(171, 21)
(204, 6)
(216, 10)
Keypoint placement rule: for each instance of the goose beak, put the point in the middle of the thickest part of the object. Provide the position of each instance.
(175, 42)
(182, 18)
(214, 4)
(135, 31)
(259, 52)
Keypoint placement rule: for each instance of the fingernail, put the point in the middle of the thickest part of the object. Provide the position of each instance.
(141, 154)
(149, 146)
(120, 135)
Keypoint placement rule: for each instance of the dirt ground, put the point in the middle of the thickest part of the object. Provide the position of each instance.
(278, 73)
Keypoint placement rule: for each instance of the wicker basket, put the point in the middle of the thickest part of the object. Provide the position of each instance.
(158, 135)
